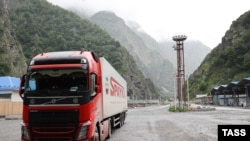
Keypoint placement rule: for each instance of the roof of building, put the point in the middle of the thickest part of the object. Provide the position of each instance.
(9, 83)
(228, 87)
(244, 81)
(233, 84)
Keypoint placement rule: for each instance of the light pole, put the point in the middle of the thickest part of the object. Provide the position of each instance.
(187, 89)
(179, 39)
(174, 77)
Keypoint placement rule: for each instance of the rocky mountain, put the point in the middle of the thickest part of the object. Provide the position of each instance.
(229, 61)
(147, 57)
(194, 53)
(156, 60)
(12, 59)
(29, 27)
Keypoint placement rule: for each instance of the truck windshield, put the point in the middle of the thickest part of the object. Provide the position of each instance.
(57, 86)
(57, 80)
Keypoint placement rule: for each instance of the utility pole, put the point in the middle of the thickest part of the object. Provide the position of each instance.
(188, 90)
(174, 78)
(179, 47)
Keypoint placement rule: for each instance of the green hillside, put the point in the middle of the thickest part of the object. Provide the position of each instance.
(41, 27)
(229, 61)
(12, 60)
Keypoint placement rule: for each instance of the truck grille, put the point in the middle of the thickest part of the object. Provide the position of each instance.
(53, 125)
(53, 117)
(53, 133)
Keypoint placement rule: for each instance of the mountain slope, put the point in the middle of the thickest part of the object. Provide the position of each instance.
(11, 56)
(40, 27)
(149, 60)
(229, 61)
(194, 53)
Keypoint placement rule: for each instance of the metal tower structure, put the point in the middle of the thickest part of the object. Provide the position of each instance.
(179, 47)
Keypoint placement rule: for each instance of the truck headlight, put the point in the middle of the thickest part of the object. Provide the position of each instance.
(25, 132)
(83, 130)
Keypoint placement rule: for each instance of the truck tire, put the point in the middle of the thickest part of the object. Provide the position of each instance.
(110, 130)
(122, 118)
(96, 134)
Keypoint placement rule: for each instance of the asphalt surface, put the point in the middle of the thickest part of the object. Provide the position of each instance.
(156, 124)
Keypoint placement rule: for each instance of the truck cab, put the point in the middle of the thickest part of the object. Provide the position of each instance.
(62, 98)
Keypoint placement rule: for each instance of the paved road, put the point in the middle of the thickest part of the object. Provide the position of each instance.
(158, 124)
(10, 129)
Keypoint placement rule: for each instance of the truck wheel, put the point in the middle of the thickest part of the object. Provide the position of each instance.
(110, 130)
(123, 118)
(96, 134)
(121, 121)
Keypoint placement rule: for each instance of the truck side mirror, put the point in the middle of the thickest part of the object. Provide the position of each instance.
(22, 83)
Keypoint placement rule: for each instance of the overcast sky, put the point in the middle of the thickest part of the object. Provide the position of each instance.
(203, 20)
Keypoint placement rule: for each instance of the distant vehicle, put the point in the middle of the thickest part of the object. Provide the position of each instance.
(71, 96)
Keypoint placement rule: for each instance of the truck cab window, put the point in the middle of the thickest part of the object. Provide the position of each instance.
(33, 81)
(92, 84)
(78, 81)
(57, 80)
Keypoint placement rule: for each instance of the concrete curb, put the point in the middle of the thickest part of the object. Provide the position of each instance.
(13, 117)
